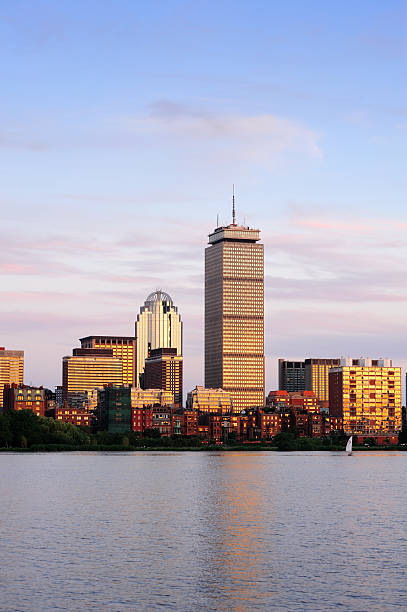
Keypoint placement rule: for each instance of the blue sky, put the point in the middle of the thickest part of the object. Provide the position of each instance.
(123, 127)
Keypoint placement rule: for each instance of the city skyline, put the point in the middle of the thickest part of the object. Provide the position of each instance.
(114, 174)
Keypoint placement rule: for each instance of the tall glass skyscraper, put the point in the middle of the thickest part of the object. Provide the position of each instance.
(234, 314)
(158, 326)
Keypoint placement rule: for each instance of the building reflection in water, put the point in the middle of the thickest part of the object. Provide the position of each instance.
(238, 554)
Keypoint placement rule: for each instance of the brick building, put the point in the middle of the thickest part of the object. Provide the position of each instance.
(23, 397)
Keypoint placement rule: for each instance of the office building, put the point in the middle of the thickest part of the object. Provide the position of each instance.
(115, 408)
(123, 347)
(158, 326)
(234, 314)
(22, 397)
(210, 401)
(11, 369)
(88, 369)
(366, 395)
(163, 370)
(291, 375)
(317, 378)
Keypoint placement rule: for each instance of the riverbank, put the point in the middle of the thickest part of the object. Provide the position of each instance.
(55, 448)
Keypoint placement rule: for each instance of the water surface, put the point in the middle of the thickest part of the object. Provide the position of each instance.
(203, 531)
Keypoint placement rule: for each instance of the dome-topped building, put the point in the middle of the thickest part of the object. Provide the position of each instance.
(158, 326)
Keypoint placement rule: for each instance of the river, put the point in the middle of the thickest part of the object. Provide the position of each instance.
(311, 531)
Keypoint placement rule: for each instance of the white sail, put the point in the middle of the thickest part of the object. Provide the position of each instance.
(349, 445)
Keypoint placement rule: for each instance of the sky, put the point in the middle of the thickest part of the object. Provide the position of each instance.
(124, 124)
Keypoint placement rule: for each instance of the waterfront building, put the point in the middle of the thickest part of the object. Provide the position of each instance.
(270, 424)
(234, 314)
(88, 369)
(11, 369)
(190, 422)
(23, 397)
(291, 375)
(67, 414)
(304, 400)
(278, 400)
(210, 400)
(124, 408)
(123, 347)
(158, 326)
(115, 406)
(366, 395)
(163, 370)
(297, 400)
(317, 378)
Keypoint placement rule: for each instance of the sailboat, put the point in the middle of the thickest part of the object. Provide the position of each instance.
(349, 446)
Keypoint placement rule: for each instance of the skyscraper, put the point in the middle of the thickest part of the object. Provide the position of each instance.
(88, 369)
(234, 314)
(158, 326)
(317, 377)
(291, 375)
(123, 347)
(11, 369)
(163, 370)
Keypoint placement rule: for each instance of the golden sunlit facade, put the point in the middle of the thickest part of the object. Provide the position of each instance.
(367, 397)
(158, 326)
(234, 315)
(82, 373)
(211, 401)
(123, 347)
(11, 369)
(141, 398)
(317, 376)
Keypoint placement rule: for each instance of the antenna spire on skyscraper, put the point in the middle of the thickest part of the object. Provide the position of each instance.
(233, 207)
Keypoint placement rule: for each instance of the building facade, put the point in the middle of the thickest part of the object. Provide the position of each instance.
(163, 370)
(122, 408)
(317, 377)
(234, 314)
(22, 397)
(158, 326)
(88, 369)
(210, 401)
(123, 347)
(297, 400)
(79, 418)
(11, 369)
(291, 375)
(366, 395)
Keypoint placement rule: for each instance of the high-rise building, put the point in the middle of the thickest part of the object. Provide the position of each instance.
(291, 375)
(123, 347)
(234, 314)
(366, 394)
(317, 377)
(11, 369)
(163, 370)
(210, 400)
(158, 326)
(88, 369)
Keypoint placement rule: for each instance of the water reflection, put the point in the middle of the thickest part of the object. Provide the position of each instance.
(234, 515)
(203, 531)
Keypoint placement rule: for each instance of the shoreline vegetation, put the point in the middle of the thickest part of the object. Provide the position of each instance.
(55, 448)
(23, 431)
